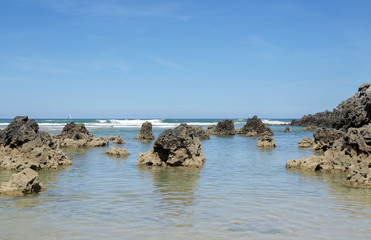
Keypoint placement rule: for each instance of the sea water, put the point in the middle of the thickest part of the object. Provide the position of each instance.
(242, 192)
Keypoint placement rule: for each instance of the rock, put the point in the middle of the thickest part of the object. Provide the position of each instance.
(255, 127)
(223, 128)
(306, 142)
(360, 174)
(322, 119)
(76, 135)
(117, 152)
(199, 132)
(145, 133)
(116, 139)
(24, 182)
(310, 129)
(324, 138)
(178, 147)
(23, 146)
(287, 129)
(266, 142)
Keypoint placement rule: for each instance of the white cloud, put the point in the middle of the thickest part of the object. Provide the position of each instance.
(166, 62)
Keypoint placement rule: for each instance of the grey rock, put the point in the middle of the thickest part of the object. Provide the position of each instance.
(287, 129)
(306, 142)
(325, 138)
(255, 127)
(266, 142)
(223, 128)
(145, 133)
(24, 182)
(117, 152)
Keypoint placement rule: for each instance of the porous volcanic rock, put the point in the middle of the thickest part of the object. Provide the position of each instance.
(178, 147)
(305, 142)
(23, 146)
(116, 139)
(255, 127)
(76, 135)
(287, 129)
(199, 132)
(117, 152)
(325, 138)
(223, 128)
(266, 142)
(310, 129)
(145, 132)
(360, 174)
(321, 119)
(25, 182)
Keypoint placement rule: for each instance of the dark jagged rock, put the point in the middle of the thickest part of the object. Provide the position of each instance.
(266, 142)
(23, 146)
(199, 132)
(255, 127)
(321, 119)
(24, 182)
(306, 142)
(178, 147)
(287, 129)
(76, 135)
(325, 138)
(145, 133)
(223, 128)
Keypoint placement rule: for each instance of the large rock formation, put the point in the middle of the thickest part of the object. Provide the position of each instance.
(310, 129)
(199, 132)
(321, 119)
(76, 135)
(223, 128)
(24, 182)
(255, 127)
(305, 142)
(117, 152)
(325, 138)
(145, 133)
(23, 146)
(178, 147)
(266, 142)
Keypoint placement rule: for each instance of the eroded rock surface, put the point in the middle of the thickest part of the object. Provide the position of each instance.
(76, 135)
(306, 142)
(23, 146)
(178, 147)
(266, 142)
(325, 138)
(287, 129)
(255, 127)
(117, 152)
(145, 133)
(223, 128)
(25, 182)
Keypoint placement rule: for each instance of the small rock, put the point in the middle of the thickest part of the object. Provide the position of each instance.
(223, 128)
(145, 133)
(117, 152)
(24, 182)
(255, 127)
(266, 142)
(306, 142)
(287, 129)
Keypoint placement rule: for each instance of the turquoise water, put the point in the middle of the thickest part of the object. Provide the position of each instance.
(242, 192)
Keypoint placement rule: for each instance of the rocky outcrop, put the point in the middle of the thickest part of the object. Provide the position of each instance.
(306, 142)
(24, 182)
(321, 119)
(223, 128)
(255, 127)
(76, 135)
(325, 138)
(266, 142)
(178, 147)
(310, 129)
(287, 129)
(116, 139)
(23, 146)
(117, 152)
(360, 174)
(350, 153)
(199, 132)
(145, 133)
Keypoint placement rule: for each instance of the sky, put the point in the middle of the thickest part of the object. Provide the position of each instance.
(181, 58)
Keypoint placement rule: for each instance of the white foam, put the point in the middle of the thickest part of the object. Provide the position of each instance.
(275, 122)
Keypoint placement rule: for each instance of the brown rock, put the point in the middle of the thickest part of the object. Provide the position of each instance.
(223, 128)
(305, 143)
(145, 133)
(266, 142)
(255, 127)
(117, 152)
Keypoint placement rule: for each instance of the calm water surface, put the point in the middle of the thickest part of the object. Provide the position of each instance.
(242, 192)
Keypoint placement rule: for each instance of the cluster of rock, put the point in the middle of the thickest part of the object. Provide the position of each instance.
(322, 119)
(76, 135)
(306, 143)
(349, 148)
(266, 142)
(25, 182)
(223, 128)
(117, 152)
(177, 147)
(310, 129)
(254, 127)
(115, 139)
(23, 146)
(145, 133)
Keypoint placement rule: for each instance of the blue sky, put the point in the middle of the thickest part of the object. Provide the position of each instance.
(181, 59)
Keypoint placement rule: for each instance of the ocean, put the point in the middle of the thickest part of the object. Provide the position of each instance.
(242, 192)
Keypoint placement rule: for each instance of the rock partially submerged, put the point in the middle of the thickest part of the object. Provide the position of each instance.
(325, 138)
(24, 182)
(287, 129)
(178, 147)
(322, 119)
(116, 139)
(117, 152)
(306, 142)
(76, 135)
(23, 146)
(266, 142)
(223, 128)
(254, 127)
(145, 133)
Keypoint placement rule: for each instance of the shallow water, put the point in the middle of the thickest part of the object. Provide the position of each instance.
(242, 192)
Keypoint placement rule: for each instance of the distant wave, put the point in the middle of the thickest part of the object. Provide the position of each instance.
(275, 122)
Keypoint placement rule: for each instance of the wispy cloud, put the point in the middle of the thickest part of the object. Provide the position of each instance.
(41, 65)
(166, 62)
